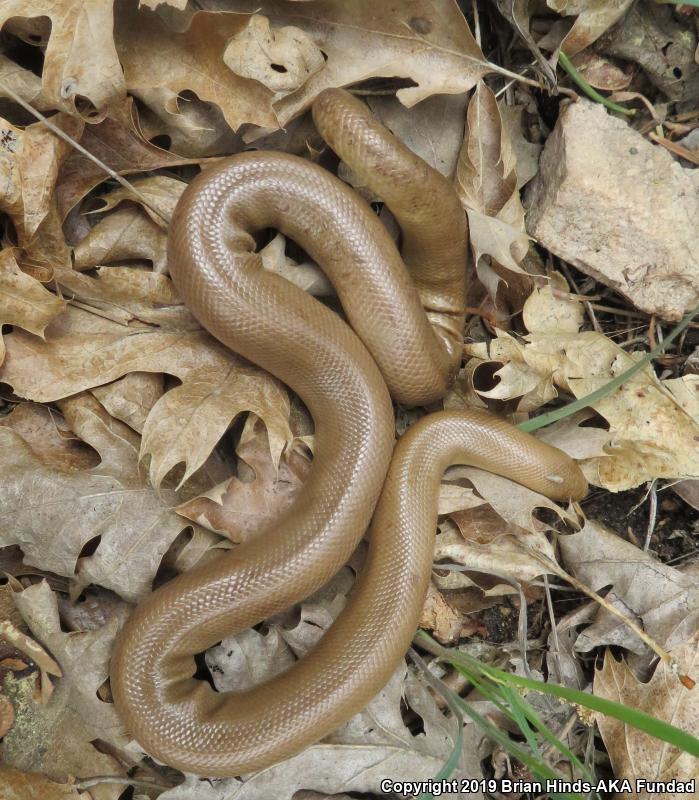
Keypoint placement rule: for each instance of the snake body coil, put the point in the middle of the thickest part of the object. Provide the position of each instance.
(407, 317)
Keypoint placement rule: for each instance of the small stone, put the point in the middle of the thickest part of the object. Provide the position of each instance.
(620, 209)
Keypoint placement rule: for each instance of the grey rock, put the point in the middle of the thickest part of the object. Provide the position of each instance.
(620, 209)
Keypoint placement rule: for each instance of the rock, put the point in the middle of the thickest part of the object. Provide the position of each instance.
(620, 209)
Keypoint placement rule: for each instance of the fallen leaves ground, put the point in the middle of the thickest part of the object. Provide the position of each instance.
(134, 446)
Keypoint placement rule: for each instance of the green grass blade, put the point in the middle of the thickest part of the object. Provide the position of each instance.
(590, 399)
(451, 763)
(543, 730)
(495, 694)
(626, 714)
(521, 720)
(593, 94)
(460, 709)
(535, 766)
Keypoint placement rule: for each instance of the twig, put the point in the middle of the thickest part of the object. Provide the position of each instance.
(621, 312)
(97, 311)
(552, 618)
(515, 76)
(557, 570)
(481, 62)
(652, 329)
(77, 146)
(579, 296)
(634, 340)
(143, 784)
(652, 513)
(626, 96)
(476, 22)
(373, 92)
(559, 89)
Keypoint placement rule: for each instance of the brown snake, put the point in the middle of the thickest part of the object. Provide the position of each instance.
(407, 316)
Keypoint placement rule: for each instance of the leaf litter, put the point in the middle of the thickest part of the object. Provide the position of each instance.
(111, 389)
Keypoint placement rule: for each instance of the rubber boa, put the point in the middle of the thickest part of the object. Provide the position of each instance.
(404, 341)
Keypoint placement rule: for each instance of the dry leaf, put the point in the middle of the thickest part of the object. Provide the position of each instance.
(570, 436)
(36, 653)
(188, 421)
(603, 73)
(126, 234)
(22, 82)
(662, 598)
(241, 509)
(688, 491)
(330, 769)
(441, 617)
(53, 509)
(83, 657)
(645, 31)
(193, 788)
(7, 719)
(485, 176)
(549, 310)
(282, 59)
(454, 497)
(486, 180)
(39, 161)
(81, 62)
(56, 739)
(433, 128)
(526, 152)
(132, 397)
(8, 610)
(248, 658)
(23, 300)
(198, 129)
(124, 295)
(92, 610)
(488, 545)
(29, 163)
(357, 767)
(178, 4)
(563, 662)
(161, 191)
(307, 276)
(635, 754)
(39, 427)
(116, 142)
(155, 57)
(514, 503)
(685, 391)
(648, 427)
(430, 43)
(594, 18)
(18, 785)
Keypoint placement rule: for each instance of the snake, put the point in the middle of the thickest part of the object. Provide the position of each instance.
(401, 339)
